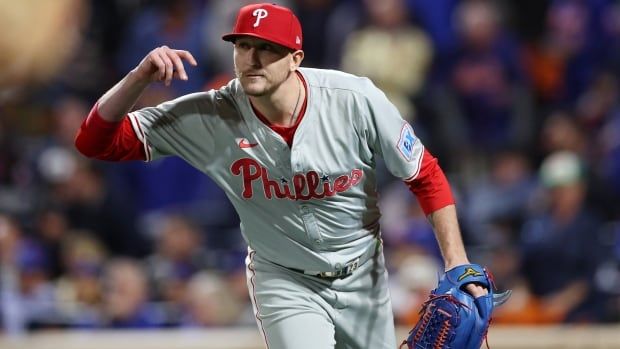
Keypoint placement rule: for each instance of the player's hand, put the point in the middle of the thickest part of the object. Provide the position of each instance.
(476, 290)
(164, 64)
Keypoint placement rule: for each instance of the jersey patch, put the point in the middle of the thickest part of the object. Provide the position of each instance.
(406, 142)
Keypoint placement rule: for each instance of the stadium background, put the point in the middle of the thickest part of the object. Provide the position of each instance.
(518, 100)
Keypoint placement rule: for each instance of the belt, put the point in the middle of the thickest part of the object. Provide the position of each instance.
(347, 269)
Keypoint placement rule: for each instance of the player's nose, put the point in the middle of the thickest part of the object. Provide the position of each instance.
(253, 57)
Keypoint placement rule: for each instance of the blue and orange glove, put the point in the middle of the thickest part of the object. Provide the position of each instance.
(452, 318)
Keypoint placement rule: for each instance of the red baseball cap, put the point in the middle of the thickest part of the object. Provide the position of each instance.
(269, 22)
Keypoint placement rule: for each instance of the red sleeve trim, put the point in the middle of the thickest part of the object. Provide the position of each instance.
(112, 141)
(430, 186)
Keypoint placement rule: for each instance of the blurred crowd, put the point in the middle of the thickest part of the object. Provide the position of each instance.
(519, 100)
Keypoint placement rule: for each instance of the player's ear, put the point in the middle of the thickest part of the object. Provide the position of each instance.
(298, 56)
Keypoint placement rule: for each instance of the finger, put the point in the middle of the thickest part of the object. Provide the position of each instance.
(169, 66)
(187, 56)
(476, 289)
(178, 65)
(159, 64)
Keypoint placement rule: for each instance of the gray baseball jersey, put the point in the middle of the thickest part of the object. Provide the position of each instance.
(311, 206)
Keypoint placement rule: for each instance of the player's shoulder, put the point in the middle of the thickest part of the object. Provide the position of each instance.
(336, 79)
(211, 101)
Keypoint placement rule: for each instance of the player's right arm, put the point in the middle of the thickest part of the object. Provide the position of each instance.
(161, 64)
(106, 133)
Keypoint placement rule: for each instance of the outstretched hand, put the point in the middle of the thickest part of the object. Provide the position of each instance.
(164, 64)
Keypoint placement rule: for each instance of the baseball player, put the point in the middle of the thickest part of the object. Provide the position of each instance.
(295, 151)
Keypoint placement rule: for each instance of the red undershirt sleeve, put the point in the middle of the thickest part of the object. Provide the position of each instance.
(431, 186)
(105, 140)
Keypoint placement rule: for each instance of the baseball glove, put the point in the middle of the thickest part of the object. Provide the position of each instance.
(451, 318)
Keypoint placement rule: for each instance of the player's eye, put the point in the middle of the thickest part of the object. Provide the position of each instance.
(243, 45)
(267, 47)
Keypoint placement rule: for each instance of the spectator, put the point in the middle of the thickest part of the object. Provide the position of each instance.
(80, 189)
(561, 63)
(179, 254)
(26, 293)
(391, 51)
(50, 230)
(598, 114)
(125, 302)
(80, 290)
(611, 38)
(175, 23)
(562, 132)
(608, 275)
(481, 101)
(609, 165)
(314, 16)
(8, 156)
(344, 17)
(524, 307)
(495, 204)
(208, 302)
(436, 17)
(560, 242)
(13, 317)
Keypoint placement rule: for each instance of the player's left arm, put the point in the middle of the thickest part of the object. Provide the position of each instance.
(406, 157)
(433, 192)
(446, 227)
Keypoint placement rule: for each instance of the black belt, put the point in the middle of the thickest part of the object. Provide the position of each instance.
(346, 270)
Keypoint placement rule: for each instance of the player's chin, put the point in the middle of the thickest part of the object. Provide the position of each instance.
(254, 89)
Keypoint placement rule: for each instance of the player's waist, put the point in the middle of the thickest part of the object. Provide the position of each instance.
(344, 270)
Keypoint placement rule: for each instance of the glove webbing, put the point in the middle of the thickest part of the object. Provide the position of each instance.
(447, 322)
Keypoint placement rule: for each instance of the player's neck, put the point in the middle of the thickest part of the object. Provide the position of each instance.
(282, 106)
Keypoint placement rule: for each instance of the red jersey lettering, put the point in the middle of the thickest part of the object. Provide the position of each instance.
(306, 186)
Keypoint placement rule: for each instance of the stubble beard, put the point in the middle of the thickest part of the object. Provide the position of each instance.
(268, 87)
(256, 92)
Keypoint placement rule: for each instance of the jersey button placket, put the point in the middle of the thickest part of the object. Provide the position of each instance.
(294, 163)
(311, 225)
(284, 158)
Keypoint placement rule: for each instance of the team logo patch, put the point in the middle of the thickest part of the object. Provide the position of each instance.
(406, 141)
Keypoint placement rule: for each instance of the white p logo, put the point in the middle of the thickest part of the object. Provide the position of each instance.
(259, 13)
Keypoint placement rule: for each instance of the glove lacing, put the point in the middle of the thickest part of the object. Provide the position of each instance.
(445, 328)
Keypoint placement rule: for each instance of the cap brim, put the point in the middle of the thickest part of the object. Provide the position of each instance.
(231, 37)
